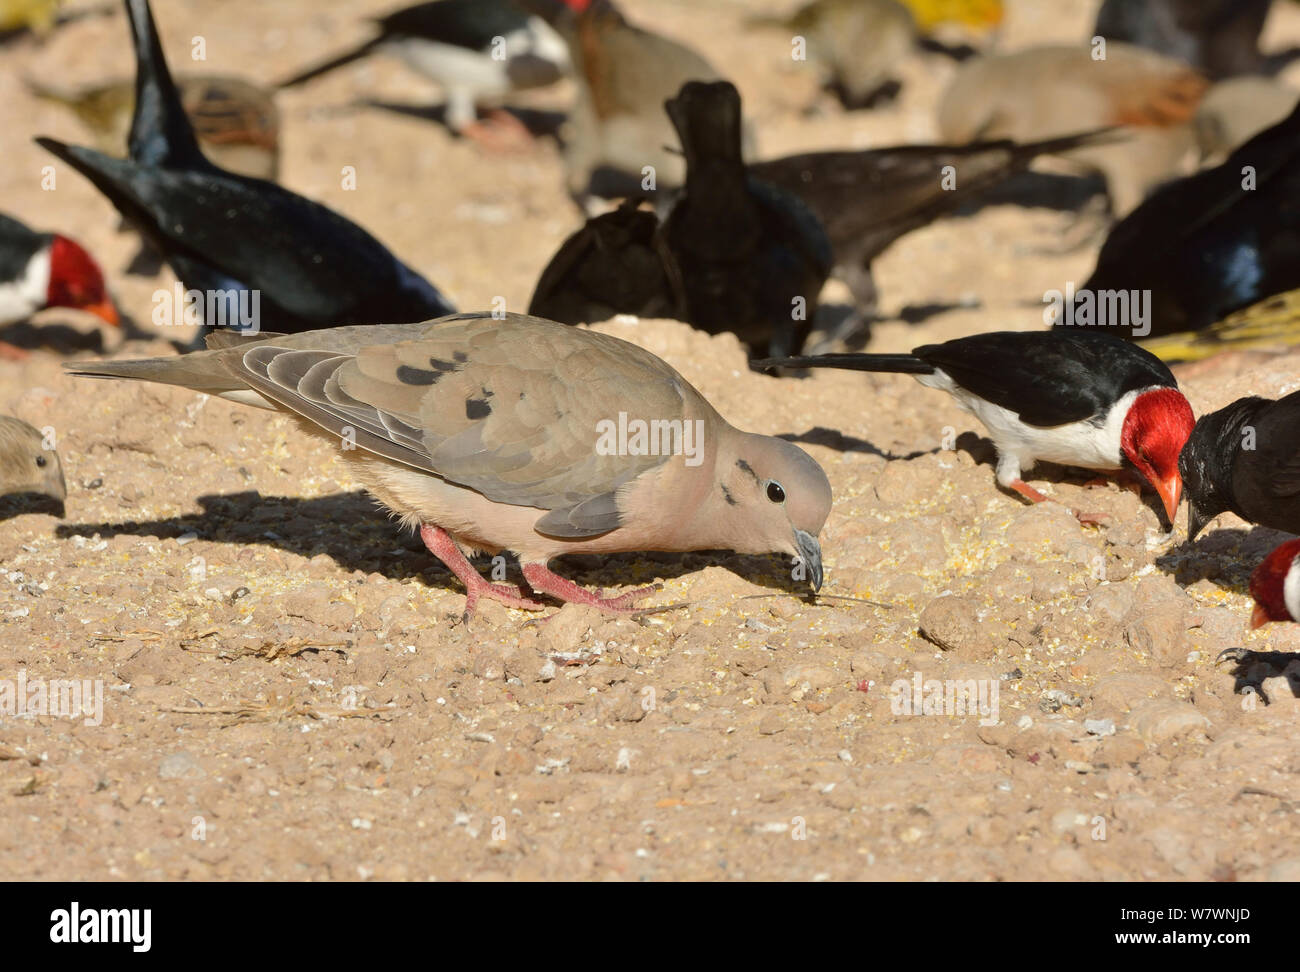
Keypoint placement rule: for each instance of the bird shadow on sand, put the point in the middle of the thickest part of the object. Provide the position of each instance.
(17, 504)
(355, 533)
(62, 339)
(539, 123)
(1225, 558)
(1251, 668)
(834, 439)
(978, 448)
(847, 325)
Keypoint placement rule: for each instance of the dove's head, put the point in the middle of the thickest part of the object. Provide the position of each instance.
(777, 499)
(26, 465)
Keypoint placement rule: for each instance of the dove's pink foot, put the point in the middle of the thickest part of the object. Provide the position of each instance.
(442, 546)
(1034, 496)
(11, 352)
(543, 581)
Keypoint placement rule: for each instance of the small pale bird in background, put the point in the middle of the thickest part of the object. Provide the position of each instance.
(1049, 91)
(858, 44)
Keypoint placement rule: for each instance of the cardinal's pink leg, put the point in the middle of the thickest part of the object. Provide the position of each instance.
(442, 546)
(500, 131)
(1034, 496)
(543, 581)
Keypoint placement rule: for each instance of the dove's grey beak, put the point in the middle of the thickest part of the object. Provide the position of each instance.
(810, 552)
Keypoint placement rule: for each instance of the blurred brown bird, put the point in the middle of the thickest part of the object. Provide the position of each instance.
(618, 131)
(27, 466)
(1049, 91)
(236, 121)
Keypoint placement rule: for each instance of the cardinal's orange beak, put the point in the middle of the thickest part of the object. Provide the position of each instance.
(1171, 493)
(1259, 617)
(105, 311)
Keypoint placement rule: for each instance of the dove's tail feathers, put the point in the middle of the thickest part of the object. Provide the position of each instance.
(200, 372)
(903, 364)
(161, 133)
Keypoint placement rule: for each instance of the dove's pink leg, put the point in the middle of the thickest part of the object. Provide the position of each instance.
(543, 581)
(442, 546)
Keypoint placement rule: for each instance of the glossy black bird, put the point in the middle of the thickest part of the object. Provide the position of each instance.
(1245, 459)
(868, 199)
(753, 257)
(246, 244)
(1220, 38)
(1092, 401)
(1214, 242)
(477, 50)
(618, 263)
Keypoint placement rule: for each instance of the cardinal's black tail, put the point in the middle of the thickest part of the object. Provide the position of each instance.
(337, 62)
(903, 364)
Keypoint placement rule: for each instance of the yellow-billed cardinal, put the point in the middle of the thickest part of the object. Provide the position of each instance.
(477, 50)
(1275, 586)
(1245, 458)
(290, 263)
(1096, 402)
(39, 270)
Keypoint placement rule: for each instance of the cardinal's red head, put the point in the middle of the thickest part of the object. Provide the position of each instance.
(1155, 430)
(1275, 586)
(76, 281)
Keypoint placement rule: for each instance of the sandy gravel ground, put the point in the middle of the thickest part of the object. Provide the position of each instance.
(288, 691)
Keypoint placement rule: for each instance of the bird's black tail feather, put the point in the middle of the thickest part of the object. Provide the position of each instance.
(337, 62)
(903, 364)
(161, 134)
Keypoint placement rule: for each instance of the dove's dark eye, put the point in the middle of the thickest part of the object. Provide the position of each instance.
(40, 462)
(774, 491)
